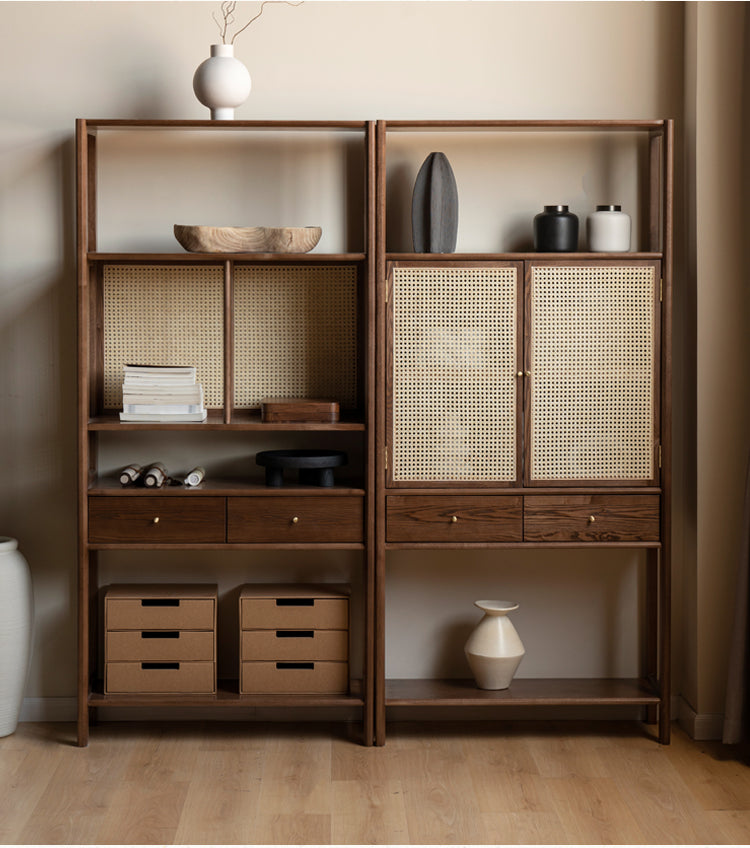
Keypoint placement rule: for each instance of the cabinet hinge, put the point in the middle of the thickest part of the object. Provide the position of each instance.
(659, 455)
(661, 290)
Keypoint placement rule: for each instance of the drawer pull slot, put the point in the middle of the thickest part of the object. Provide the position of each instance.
(281, 666)
(295, 634)
(160, 602)
(160, 634)
(158, 666)
(295, 602)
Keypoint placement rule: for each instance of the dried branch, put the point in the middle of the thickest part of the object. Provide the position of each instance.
(227, 12)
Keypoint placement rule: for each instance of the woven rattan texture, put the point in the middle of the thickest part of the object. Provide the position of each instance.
(454, 367)
(295, 333)
(592, 373)
(158, 315)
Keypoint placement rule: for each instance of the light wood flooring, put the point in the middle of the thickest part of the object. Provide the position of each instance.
(438, 783)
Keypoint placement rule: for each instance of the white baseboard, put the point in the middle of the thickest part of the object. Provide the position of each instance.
(699, 726)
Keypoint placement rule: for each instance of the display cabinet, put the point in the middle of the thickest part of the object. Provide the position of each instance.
(524, 398)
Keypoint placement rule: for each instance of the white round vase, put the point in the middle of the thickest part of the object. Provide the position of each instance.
(494, 649)
(222, 82)
(16, 628)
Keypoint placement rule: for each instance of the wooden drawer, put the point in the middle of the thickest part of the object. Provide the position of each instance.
(160, 677)
(158, 520)
(295, 519)
(295, 644)
(591, 518)
(160, 607)
(448, 518)
(159, 645)
(313, 678)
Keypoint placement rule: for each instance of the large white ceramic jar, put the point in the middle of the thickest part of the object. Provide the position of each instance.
(494, 650)
(222, 82)
(16, 628)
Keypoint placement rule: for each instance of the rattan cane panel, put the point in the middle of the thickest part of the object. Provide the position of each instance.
(454, 366)
(160, 315)
(592, 359)
(295, 333)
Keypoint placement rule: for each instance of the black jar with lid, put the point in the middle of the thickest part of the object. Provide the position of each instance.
(555, 230)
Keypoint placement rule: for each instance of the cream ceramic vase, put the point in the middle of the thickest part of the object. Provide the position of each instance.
(16, 627)
(494, 649)
(222, 82)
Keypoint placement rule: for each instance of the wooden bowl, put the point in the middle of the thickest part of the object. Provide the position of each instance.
(247, 239)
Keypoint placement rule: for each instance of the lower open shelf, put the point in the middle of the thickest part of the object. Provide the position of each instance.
(536, 692)
(227, 695)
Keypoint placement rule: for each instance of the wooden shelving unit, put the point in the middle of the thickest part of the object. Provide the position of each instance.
(521, 509)
(215, 516)
(381, 504)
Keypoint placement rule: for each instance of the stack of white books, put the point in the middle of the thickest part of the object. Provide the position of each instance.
(161, 393)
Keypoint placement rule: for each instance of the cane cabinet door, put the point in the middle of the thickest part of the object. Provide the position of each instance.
(453, 369)
(591, 373)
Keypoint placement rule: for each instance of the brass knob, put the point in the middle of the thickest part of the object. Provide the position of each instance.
(295, 520)
(519, 374)
(454, 519)
(528, 373)
(156, 520)
(592, 519)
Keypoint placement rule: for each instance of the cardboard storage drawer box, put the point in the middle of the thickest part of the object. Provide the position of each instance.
(124, 645)
(160, 677)
(160, 638)
(311, 678)
(294, 607)
(294, 645)
(160, 607)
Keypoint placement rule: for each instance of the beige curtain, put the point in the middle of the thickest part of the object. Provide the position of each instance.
(738, 677)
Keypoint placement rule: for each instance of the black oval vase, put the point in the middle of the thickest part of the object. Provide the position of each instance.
(555, 230)
(434, 207)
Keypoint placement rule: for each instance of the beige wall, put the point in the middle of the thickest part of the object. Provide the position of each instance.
(328, 60)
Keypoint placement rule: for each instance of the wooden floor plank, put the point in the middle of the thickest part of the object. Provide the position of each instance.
(433, 783)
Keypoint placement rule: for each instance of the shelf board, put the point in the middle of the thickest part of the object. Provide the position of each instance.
(531, 692)
(530, 256)
(221, 258)
(241, 419)
(95, 124)
(227, 695)
(582, 125)
(110, 486)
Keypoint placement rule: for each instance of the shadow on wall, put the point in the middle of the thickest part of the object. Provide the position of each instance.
(39, 398)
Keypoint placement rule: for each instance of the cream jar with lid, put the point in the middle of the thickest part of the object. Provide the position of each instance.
(608, 230)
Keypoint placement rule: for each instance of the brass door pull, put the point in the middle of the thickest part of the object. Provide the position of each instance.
(156, 520)
(295, 520)
(454, 519)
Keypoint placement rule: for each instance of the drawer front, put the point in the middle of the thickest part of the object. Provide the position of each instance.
(295, 519)
(591, 518)
(311, 678)
(157, 520)
(298, 644)
(159, 614)
(160, 677)
(294, 613)
(155, 645)
(445, 518)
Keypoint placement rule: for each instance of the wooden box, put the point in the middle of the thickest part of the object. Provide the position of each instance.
(287, 410)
